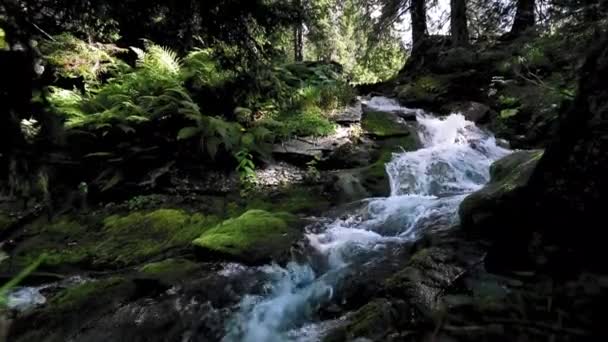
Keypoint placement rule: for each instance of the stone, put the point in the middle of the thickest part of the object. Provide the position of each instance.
(301, 150)
(472, 111)
(379, 124)
(255, 237)
(349, 115)
(508, 176)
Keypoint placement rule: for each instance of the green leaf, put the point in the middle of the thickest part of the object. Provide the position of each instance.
(213, 144)
(507, 113)
(247, 139)
(112, 182)
(188, 133)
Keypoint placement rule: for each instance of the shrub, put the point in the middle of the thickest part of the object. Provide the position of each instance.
(74, 58)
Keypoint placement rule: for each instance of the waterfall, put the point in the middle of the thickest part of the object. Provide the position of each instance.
(427, 186)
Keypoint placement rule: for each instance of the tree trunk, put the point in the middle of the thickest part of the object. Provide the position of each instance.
(419, 29)
(524, 17)
(298, 39)
(298, 43)
(458, 23)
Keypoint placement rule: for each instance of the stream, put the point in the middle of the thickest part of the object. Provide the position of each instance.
(427, 187)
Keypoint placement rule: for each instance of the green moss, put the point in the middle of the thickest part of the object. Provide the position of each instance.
(382, 124)
(256, 235)
(425, 88)
(56, 239)
(374, 175)
(168, 267)
(74, 297)
(120, 241)
(291, 200)
(133, 238)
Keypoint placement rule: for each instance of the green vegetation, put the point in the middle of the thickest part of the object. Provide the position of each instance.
(74, 297)
(252, 237)
(120, 241)
(17, 279)
(294, 200)
(169, 268)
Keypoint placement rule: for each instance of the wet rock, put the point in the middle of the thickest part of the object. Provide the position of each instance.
(255, 237)
(353, 155)
(379, 124)
(508, 176)
(377, 319)
(472, 111)
(348, 186)
(503, 143)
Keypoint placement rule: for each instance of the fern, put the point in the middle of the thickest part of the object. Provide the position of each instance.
(159, 59)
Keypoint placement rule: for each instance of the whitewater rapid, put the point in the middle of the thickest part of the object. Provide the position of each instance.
(427, 187)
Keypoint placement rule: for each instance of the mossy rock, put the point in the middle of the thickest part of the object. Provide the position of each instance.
(508, 177)
(374, 321)
(294, 200)
(74, 298)
(255, 237)
(168, 269)
(119, 241)
(374, 177)
(384, 125)
(423, 90)
(71, 309)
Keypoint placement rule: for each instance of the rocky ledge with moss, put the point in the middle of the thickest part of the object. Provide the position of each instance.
(255, 237)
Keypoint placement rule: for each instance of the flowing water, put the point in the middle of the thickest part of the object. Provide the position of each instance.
(427, 186)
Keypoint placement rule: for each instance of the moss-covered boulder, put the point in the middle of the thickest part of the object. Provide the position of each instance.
(255, 237)
(508, 176)
(168, 269)
(423, 90)
(66, 312)
(384, 124)
(115, 241)
(134, 238)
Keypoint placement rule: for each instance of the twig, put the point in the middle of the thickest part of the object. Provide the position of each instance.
(48, 36)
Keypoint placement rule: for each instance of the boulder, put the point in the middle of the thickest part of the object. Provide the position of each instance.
(380, 125)
(301, 150)
(116, 242)
(254, 238)
(508, 177)
(349, 115)
(472, 111)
